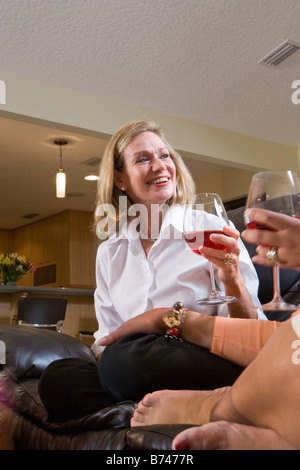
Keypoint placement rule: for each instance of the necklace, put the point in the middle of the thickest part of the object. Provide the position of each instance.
(151, 240)
(143, 237)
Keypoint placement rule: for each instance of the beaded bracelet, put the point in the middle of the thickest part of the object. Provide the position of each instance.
(175, 321)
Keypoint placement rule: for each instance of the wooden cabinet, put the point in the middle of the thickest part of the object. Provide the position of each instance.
(64, 242)
(6, 241)
(83, 245)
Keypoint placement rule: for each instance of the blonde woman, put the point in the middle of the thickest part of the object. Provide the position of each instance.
(143, 264)
(112, 164)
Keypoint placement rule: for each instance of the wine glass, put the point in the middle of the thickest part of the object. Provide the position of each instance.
(205, 216)
(276, 191)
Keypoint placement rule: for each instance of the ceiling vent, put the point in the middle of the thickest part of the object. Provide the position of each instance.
(279, 54)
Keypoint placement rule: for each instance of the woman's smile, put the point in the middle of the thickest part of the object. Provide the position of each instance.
(161, 181)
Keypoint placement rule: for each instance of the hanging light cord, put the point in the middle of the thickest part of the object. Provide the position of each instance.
(60, 155)
(60, 142)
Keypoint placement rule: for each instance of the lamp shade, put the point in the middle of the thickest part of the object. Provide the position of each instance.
(60, 183)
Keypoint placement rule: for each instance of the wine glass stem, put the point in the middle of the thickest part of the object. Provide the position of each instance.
(276, 283)
(212, 278)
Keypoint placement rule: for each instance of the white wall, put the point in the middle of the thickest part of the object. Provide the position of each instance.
(42, 100)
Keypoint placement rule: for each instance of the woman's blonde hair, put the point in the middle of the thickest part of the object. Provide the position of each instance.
(107, 192)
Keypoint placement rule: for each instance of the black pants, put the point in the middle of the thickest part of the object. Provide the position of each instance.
(128, 370)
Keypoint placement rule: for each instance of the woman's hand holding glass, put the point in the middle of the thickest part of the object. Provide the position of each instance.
(283, 232)
(227, 272)
(204, 222)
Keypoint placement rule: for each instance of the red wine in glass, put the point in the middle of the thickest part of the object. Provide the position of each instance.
(204, 217)
(254, 225)
(202, 238)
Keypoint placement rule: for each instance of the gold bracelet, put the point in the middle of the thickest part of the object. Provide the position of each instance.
(175, 321)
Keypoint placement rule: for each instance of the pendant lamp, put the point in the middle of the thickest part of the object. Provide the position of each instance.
(60, 175)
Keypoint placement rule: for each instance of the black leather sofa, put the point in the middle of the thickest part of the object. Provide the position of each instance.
(30, 350)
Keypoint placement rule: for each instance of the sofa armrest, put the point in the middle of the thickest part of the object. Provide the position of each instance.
(155, 437)
(30, 350)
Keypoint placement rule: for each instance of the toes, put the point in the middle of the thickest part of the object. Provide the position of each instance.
(137, 418)
(147, 400)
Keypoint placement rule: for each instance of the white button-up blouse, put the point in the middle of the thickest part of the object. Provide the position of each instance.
(129, 283)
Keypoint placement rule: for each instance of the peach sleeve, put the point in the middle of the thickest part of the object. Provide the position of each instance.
(239, 340)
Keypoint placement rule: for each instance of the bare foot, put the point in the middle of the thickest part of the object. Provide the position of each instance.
(222, 435)
(177, 406)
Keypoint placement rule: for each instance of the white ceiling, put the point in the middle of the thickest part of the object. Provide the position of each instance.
(194, 59)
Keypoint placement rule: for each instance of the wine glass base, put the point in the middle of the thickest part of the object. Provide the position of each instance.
(216, 300)
(278, 305)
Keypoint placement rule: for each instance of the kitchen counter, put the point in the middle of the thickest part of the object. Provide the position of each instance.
(80, 313)
(46, 290)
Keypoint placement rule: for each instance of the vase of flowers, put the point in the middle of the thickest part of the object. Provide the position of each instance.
(13, 267)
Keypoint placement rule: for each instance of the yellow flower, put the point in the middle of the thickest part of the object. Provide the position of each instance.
(14, 266)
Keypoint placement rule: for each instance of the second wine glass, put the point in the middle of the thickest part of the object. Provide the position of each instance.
(276, 191)
(204, 217)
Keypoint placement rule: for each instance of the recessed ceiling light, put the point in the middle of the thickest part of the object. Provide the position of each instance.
(91, 178)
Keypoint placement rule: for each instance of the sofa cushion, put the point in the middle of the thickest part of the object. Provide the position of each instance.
(31, 429)
(30, 350)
